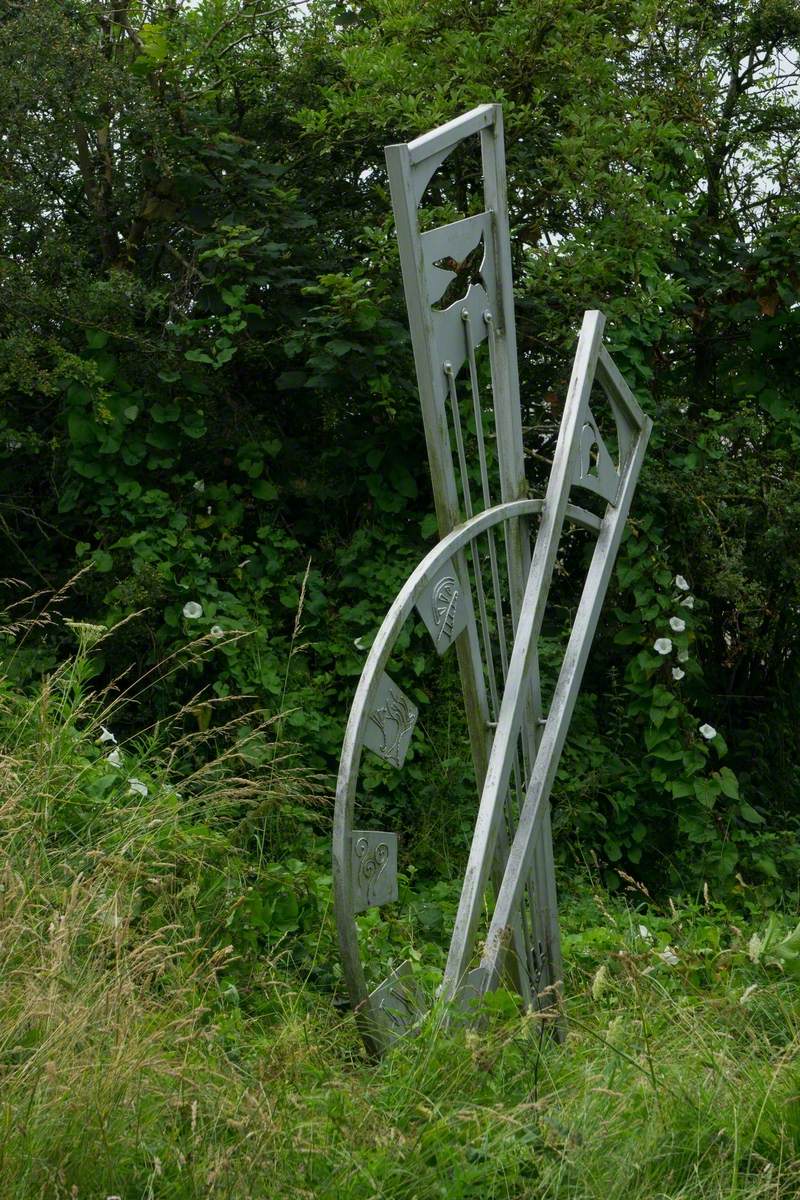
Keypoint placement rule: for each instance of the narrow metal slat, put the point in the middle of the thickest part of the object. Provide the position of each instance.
(528, 908)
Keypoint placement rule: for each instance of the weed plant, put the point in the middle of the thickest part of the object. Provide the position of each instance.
(169, 1026)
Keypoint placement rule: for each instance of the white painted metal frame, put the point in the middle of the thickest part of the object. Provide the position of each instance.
(572, 466)
(443, 343)
(371, 1021)
(515, 749)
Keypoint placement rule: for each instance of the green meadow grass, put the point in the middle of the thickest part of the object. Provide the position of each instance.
(133, 1066)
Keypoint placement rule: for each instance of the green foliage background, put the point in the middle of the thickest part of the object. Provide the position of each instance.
(208, 394)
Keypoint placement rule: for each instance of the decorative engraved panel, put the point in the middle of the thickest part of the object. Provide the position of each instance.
(390, 723)
(443, 608)
(398, 1002)
(373, 868)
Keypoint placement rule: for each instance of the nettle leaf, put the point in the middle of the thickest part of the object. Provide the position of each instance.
(81, 427)
(164, 413)
(339, 347)
(289, 379)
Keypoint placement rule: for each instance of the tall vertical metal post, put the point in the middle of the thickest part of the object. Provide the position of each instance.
(442, 342)
(513, 486)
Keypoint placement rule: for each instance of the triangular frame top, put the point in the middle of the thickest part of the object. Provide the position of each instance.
(618, 486)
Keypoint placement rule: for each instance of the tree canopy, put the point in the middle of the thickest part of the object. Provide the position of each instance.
(208, 392)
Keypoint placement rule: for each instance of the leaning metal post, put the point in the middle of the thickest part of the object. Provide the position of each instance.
(572, 465)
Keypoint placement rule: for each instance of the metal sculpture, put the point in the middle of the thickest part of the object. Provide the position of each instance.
(484, 590)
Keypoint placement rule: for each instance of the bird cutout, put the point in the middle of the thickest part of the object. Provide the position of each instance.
(466, 272)
(397, 1007)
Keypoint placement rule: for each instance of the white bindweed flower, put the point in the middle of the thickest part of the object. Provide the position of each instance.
(217, 631)
(669, 956)
(199, 485)
(192, 610)
(687, 602)
(683, 656)
(115, 758)
(677, 674)
(681, 584)
(136, 787)
(106, 735)
(677, 624)
(708, 731)
(662, 645)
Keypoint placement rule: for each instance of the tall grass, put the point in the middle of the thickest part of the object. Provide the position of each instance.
(142, 1056)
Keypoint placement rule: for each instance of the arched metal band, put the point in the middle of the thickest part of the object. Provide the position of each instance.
(378, 657)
